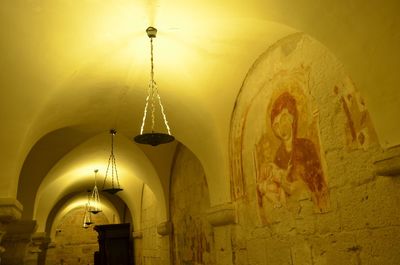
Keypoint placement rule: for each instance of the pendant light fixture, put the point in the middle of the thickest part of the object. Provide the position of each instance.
(153, 98)
(87, 218)
(94, 200)
(112, 170)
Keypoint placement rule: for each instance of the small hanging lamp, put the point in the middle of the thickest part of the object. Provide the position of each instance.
(87, 218)
(153, 138)
(112, 169)
(94, 201)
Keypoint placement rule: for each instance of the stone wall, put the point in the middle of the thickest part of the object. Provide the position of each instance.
(73, 244)
(193, 236)
(151, 248)
(302, 149)
(304, 182)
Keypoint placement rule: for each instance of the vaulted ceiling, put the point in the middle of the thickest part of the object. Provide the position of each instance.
(72, 70)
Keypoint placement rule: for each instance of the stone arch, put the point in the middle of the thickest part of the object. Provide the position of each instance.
(74, 172)
(115, 210)
(38, 162)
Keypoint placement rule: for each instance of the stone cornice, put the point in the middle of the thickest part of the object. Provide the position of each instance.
(222, 214)
(137, 234)
(164, 228)
(20, 230)
(388, 163)
(10, 210)
(40, 238)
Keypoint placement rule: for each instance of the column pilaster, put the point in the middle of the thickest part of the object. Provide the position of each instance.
(37, 248)
(10, 211)
(17, 242)
(222, 217)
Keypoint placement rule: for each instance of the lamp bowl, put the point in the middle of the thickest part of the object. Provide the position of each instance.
(154, 139)
(112, 190)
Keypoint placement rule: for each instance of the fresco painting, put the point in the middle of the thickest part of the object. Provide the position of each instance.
(193, 247)
(294, 166)
(276, 152)
(360, 132)
(192, 239)
(238, 182)
(278, 131)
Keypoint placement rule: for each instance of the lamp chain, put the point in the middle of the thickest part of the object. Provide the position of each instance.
(163, 113)
(95, 177)
(113, 163)
(152, 83)
(153, 95)
(145, 111)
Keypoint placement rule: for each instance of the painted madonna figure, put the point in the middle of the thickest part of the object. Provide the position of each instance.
(296, 165)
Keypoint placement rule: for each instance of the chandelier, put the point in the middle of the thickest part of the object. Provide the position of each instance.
(94, 200)
(111, 171)
(152, 100)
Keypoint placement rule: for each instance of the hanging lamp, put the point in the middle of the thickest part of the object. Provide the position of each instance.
(87, 218)
(94, 201)
(112, 170)
(153, 98)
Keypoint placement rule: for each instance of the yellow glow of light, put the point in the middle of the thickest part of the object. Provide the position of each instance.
(80, 202)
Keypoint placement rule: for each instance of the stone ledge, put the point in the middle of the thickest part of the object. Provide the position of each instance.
(222, 214)
(40, 238)
(164, 228)
(10, 209)
(137, 234)
(388, 164)
(52, 244)
(21, 230)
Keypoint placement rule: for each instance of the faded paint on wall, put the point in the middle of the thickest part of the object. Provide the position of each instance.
(193, 237)
(299, 118)
(287, 156)
(360, 132)
(280, 135)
